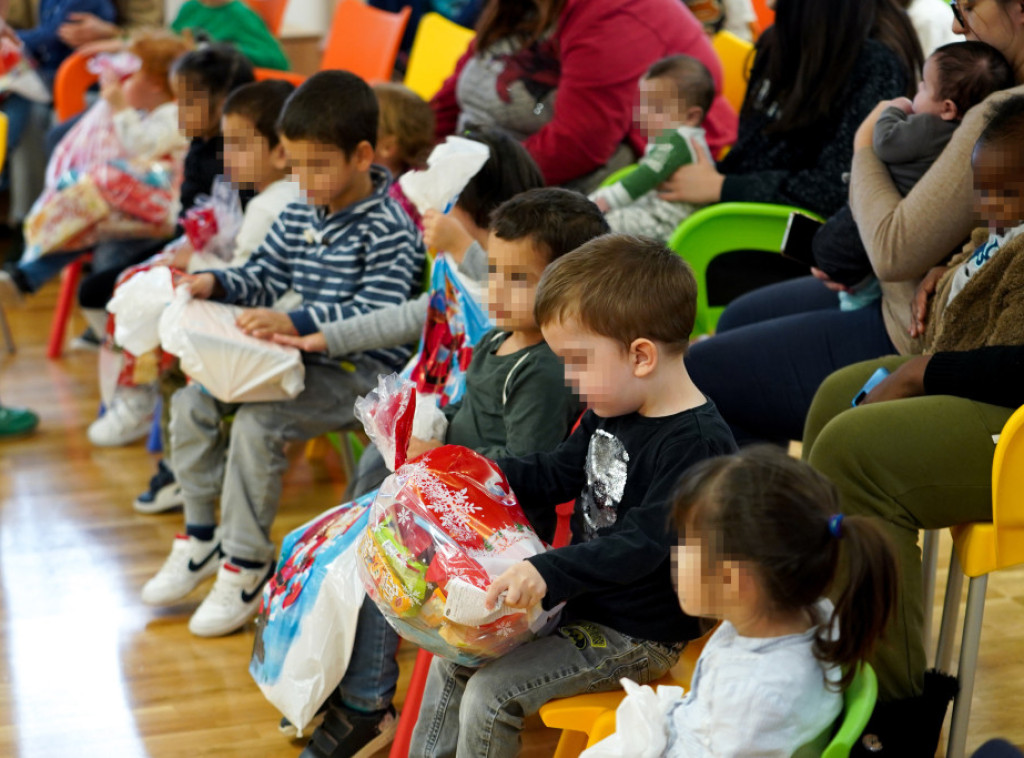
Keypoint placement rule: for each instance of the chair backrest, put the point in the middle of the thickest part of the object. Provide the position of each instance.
(271, 11)
(858, 703)
(364, 40)
(736, 55)
(436, 49)
(264, 74)
(3, 139)
(1008, 491)
(765, 15)
(70, 85)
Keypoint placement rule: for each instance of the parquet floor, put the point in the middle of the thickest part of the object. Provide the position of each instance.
(87, 670)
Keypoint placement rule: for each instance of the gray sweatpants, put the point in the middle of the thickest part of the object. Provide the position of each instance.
(649, 216)
(248, 480)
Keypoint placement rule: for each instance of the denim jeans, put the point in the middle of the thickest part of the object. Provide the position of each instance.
(479, 713)
(773, 349)
(371, 679)
(114, 255)
(248, 479)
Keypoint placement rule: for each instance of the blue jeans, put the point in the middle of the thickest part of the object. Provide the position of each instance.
(997, 749)
(480, 712)
(371, 679)
(113, 255)
(773, 349)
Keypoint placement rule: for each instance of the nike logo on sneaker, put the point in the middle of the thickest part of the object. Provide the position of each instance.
(193, 566)
(248, 597)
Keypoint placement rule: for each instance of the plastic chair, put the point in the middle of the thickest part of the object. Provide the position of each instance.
(435, 51)
(765, 15)
(723, 228)
(70, 85)
(364, 40)
(271, 11)
(978, 550)
(737, 56)
(265, 74)
(4, 326)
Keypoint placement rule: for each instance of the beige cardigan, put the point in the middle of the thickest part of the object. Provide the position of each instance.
(906, 236)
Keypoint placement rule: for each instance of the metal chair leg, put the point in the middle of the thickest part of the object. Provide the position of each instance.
(929, 570)
(950, 614)
(968, 665)
(6, 328)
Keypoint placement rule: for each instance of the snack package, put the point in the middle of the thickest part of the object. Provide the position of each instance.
(18, 75)
(212, 224)
(307, 618)
(231, 365)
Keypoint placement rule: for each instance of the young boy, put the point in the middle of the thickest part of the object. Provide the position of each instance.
(675, 95)
(350, 250)
(516, 402)
(618, 311)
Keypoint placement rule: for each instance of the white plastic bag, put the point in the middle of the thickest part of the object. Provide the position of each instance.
(233, 366)
(641, 723)
(449, 168)
(137, 305)
(429, 422)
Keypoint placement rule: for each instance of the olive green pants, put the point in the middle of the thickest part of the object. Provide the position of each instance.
(917, 463)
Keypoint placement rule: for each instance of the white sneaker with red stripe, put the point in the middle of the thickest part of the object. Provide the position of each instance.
(234, 600)
(190, 562)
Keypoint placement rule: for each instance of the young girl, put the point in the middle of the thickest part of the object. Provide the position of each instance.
(763, 539)
(405, 137)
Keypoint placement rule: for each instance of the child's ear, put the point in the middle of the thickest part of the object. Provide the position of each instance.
(643, 355)
(949, 111)
(694, 115)
(279, 157)
(363, 155)
(387, 146)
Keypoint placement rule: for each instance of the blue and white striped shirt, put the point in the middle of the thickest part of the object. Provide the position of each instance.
(364, 257)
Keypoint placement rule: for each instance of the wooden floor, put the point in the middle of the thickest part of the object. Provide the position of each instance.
(87, 670)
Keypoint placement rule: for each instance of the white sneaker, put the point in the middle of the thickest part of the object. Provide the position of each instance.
(234, 600)
(128, 419)
(190, 562)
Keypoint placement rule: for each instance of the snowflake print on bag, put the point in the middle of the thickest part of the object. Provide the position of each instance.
(453, 508)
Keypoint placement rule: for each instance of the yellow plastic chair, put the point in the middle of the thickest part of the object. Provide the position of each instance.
(978, 550)
(737, 56)
(435, 50)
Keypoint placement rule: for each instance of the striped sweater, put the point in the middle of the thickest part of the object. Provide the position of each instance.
(364, 257)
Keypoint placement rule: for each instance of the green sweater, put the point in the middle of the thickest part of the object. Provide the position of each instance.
(237, 24)
(514, 404)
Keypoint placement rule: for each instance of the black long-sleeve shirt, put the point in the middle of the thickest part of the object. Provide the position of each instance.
(622, 472)
(989, 375)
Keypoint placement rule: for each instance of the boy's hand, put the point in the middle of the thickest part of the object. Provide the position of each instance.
(265, 323)
(112, 91)
(418, 447)
(311, 343)
(523, 585)
(444, 233)
(202, 286)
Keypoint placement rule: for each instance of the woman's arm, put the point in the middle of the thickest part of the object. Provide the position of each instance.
(988, 375)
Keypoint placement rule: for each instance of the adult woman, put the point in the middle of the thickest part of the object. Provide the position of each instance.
(561, 75)
(792, 335)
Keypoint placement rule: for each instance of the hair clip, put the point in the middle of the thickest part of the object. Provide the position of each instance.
(835, 525)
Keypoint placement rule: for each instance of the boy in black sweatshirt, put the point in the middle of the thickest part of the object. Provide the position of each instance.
(618, 311)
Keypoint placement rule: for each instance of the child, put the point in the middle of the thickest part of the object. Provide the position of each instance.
(516, 403)
(675, 95)
(618, 311)
(405, 136)
(908, 138)
(762, 547)
(350, 250)
(232, 22)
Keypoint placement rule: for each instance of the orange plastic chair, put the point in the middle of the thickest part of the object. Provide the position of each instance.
(364, 40)
(765, 15)
(265, 74)
(70, 85)
(271, 11)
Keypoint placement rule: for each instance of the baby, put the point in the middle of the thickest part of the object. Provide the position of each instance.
(908, 138)
(675, 95)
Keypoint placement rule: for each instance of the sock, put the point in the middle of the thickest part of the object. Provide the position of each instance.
(242, 563)
(204, 533)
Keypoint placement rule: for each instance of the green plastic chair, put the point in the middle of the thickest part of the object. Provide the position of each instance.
(858, 704)
(722, 228)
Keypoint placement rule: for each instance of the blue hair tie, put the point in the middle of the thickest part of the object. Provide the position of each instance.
(835, 525)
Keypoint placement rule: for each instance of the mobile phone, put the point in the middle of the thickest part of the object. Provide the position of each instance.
(870, 384)
(796, 242)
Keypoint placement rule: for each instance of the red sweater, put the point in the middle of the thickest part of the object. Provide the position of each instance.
(604, 47)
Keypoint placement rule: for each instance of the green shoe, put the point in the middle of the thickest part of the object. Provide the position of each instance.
(15, 421)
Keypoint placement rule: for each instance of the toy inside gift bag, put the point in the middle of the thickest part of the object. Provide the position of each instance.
(441, 529)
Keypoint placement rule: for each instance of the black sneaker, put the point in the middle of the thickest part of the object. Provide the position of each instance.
(346, 733)
(164, 492)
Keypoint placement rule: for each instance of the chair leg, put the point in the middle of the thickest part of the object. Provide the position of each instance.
(65, 302)
(8, 337)
(929, 570)
(411, 708)
(968, 665)
(950, 613)
(570, 744)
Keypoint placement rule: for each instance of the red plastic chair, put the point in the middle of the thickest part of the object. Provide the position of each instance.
(265, 74)
(364, 40)
(271, 11)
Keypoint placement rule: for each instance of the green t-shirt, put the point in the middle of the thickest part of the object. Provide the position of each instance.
(235, 23)
(514, 404)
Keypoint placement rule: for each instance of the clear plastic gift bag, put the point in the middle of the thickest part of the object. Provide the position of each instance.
(212, 224)
(441, 529)
(231, 365)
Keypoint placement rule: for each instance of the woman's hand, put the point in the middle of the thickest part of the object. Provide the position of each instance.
(112, 91)
(919, 305)
(444, 233)
(906, 381)
(697, 182)
(311, 343)
(865, 135)
(825, 279)
(83, 28)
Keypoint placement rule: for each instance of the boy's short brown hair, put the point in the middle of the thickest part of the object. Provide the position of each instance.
(622, 287)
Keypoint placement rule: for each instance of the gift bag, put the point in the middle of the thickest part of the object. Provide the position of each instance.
(641, 723)
(450, 166)
(137, 305)
(212, 223)
(307, 618)
(441, 528)
(232, 366)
